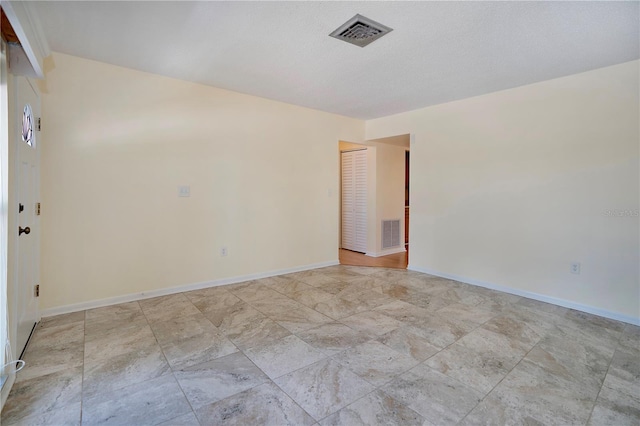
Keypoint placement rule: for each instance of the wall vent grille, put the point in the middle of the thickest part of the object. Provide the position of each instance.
(360, 31)
(390, 233)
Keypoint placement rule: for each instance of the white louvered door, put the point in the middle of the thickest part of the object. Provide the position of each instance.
(354, 200)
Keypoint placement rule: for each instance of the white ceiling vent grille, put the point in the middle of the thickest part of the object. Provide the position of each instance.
(390, 233)
(360, 31)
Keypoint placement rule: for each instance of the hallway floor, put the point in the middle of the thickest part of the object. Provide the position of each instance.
(353, 258)
(340, 345)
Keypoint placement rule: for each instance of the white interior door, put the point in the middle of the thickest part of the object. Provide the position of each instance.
(28, 187)
(354, 200)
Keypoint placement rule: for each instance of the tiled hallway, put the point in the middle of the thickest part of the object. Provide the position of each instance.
(338, 345)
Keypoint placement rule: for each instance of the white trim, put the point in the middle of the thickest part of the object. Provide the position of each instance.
(535, 296)
(26, 24)
(39, 40)
(387, 252)
(5, 333)
(179, 289)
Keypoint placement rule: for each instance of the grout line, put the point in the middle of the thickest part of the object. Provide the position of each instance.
(595, 401)
(167, 360)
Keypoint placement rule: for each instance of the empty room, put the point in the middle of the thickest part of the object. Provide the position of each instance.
(320, 213)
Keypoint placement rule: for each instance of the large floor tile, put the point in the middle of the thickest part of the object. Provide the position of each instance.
(411, 341)
(441, 331)
(547, 311)
(201, 298)
(216, 305)
(618, 403)
(372, 322)
(333, 337)
(188, 419)
(62, 319)
(531, 392)
(493, 411)
(316, 279)
(376, 408)
(625, 365)
(246, 327)
(396, 290)
(257, 293)
(289, 287)
(333, 286)
(585, 319)
(490, 300)
(65, 334)
(36, 397)
(113, 373)
(167, 307)
(428, 302)
(404, 312)
(368, 283)
(215, 380)
(480, 359)
(182, 327)
(118, 341)
(471, 316)
(437, 397)
(576, 360)
(196, 349)
(375, 362)
(630, 338)
(147, 403)
(514, 328)
(68, 415)
(310, 297)
(124, 315)
(368, 298)
(276, 305)
(41, 361)
(299, 319)
(337, 308)
(283, 356)
(263, 405)
(323, 388)
(258, 333)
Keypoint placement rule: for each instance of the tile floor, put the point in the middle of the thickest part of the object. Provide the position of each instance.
(334, 346)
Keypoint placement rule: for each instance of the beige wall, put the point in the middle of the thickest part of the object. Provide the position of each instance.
(509, 188)
(117, 143)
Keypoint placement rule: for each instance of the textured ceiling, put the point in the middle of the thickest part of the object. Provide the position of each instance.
(437, 51)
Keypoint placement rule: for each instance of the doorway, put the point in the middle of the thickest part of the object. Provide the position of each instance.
(386, 203)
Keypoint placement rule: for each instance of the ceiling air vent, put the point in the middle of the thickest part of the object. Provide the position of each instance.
(360, 31)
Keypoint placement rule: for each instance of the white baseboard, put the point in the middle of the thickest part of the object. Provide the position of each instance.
(173, 290)
(387, 252)
(530, 295)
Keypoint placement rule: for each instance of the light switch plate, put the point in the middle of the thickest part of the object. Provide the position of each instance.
(184, 191)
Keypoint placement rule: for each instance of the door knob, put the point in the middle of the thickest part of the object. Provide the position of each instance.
(22, 230)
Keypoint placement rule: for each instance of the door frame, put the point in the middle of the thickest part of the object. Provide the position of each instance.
(5, 330)
(341, 154)
(33, 49)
